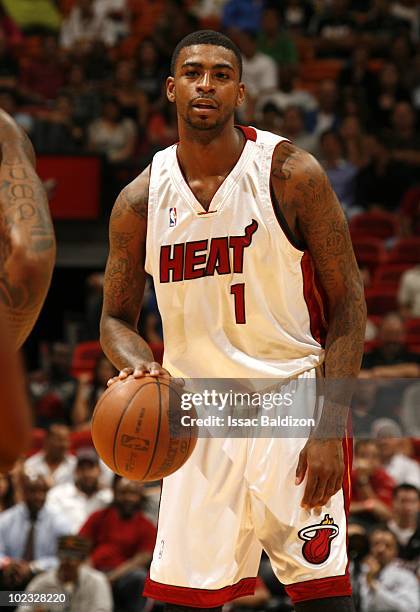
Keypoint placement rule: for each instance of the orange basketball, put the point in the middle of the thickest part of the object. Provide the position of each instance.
(137, 430)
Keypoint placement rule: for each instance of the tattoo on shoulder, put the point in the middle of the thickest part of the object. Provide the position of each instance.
(133, 198)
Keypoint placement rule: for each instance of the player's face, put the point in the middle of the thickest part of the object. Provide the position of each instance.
(206, 87)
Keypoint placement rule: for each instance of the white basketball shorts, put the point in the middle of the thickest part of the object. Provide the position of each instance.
(233, 498)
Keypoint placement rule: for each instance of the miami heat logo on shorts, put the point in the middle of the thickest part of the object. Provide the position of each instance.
(318, 538)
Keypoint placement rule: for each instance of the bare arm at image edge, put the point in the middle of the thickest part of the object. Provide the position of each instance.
(27, 242)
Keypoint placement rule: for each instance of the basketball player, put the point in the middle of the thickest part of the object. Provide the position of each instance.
(27, 255)
(233, 223)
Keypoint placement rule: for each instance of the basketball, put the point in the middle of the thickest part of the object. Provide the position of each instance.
(137, 431)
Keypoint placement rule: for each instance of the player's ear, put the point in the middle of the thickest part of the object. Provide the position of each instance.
(170, 89)
(241, 95)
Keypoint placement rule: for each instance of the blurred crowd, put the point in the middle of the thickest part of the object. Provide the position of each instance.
(339, 78)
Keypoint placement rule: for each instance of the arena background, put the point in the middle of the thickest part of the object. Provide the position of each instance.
(341, 79)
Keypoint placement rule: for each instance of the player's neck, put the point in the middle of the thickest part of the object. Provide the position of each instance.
(212, 155)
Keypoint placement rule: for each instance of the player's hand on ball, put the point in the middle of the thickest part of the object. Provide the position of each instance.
(151, 368)
(323, 461)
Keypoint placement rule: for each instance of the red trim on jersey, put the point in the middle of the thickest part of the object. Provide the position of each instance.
(321, 588)
(250, 133)
(315, 299)
(198, 598)
(332, 586)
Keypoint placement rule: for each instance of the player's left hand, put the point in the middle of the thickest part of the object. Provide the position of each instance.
(324, 463)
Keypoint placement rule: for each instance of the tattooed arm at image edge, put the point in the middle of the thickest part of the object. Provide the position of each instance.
(125, 277)
(27, 241)
(301, 184)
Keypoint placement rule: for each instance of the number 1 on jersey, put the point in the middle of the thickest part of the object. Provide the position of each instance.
(238, 291)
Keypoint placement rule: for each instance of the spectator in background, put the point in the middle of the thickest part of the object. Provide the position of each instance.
(112, 134)
(380, 27)
(43, 76)
(371, 486)
(28, 536)
(150, 74)
(354, 140)
(270, 119)
(85, 98)
(242, 15)
(288, 94)
(405, 522)
(362, 408)
(294, 129)
(274, 41)
(335, 31)
(404, 139)
(86, 589)
(297, 15)
(384, 93)
(383, 181)
(122, 541)
(356, 74)
(162, 126)
(414, 80)
(391, 359)
(384, 584)
(400, 54)
(132, 100)
(389, 440)
(53, 390)
(90, 390)
(409, 293)
(85, 24)
(54, 462)
(55, 131)
(325, 116)
(259, 70)
(79, 499)
(340, 172)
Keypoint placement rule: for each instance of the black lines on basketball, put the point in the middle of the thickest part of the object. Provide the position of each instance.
(157, 430)
(123, 413)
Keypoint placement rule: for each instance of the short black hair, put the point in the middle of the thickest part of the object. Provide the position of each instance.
(206, 37)
(405, 486)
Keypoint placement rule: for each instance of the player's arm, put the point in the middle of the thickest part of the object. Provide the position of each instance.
(15, 416)
(304, 190)
(27, 242)
(124, 282)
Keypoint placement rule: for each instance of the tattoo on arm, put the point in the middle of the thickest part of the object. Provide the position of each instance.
(27, 239)
(306, 190)
(125, 277)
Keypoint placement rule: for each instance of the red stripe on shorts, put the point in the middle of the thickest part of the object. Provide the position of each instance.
(198, 598)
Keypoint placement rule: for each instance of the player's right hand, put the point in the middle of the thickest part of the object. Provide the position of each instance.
(151, 368)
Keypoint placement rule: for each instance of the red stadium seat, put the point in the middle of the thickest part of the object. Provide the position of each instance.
(381, 300)
(389, 274)
(376, 224)
(84, 358)
(369, 252)
(406, 250)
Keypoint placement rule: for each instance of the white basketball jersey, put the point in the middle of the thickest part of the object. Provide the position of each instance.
(238, 298)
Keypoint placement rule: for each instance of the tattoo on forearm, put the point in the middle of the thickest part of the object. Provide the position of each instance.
(25, 227)
(124, 278)
(303, 188)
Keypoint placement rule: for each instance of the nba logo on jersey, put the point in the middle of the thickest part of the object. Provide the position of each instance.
(172, 217)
